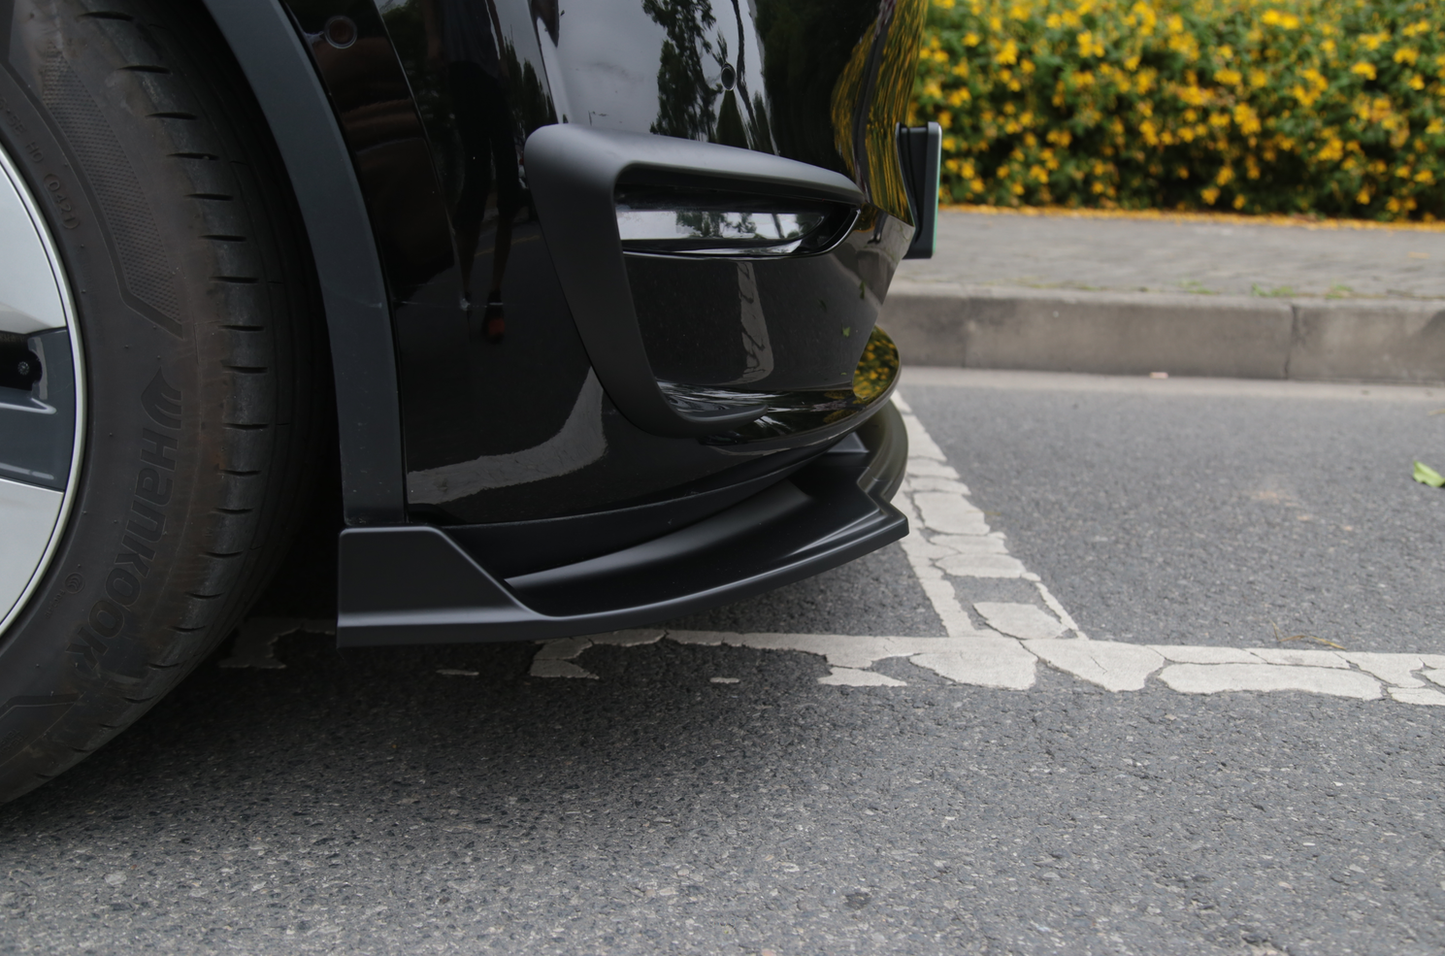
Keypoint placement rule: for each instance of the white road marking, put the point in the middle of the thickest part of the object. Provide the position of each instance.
(1111, 665)
(1020, 620)
(951, 543)
(1214, 678)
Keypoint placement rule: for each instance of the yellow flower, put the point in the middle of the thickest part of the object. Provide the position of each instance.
(1367, 70)
(1010, 54)
(1407, 55)
(1210, 195)
(1238, 202)
(1416, 83)
(1186, 45)
(1247, 119)
(1145, 16)
(1258, 79)
(1224, 177)
(1088, 46)
(1363, 197)
(1229, 77)
(971, 39)
(1425, 176)
(1436, 127)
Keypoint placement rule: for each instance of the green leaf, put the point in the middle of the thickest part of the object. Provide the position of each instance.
(1426, 475)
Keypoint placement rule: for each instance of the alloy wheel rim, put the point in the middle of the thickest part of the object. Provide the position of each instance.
(42, 396)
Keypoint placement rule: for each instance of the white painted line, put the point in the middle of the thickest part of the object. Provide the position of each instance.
(1216, 678)
(983, 662)
(1111, 665)
(1011, 664)
(1427, 696)
(852, 677)
(951, 548)
(950, 538)
(1020, 620)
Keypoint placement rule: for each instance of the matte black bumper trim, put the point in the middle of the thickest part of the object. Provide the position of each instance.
(417, 585)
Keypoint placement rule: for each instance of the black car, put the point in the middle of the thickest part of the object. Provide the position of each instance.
(496, 319)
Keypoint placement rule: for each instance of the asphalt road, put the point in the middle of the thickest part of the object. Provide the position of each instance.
(700, 793)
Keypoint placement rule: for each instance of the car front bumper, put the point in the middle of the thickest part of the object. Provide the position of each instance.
(420, 585)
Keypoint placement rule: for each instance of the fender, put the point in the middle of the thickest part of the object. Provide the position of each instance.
(343, 246)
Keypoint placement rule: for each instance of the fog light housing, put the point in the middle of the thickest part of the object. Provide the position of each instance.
(672, 221)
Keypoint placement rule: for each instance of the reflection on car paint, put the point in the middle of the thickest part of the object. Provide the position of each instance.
(578, 443)
(436, 99)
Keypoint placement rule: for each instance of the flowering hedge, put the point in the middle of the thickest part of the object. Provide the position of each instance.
(1333, 107)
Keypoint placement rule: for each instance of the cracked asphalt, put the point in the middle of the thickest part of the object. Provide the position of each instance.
(365, 802)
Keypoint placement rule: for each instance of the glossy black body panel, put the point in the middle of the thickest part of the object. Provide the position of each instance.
(435, 110)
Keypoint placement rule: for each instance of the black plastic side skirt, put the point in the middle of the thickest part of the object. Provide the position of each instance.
(418, 585)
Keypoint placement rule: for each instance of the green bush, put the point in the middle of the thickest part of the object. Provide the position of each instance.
(1324, 107)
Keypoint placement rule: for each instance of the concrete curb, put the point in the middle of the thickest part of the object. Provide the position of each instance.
(1122, 333)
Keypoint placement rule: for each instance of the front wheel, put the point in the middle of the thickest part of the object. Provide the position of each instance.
(156, 366)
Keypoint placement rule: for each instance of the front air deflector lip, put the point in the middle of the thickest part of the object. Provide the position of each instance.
(417, 585)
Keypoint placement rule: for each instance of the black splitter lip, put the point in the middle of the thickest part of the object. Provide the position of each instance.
(417, 585)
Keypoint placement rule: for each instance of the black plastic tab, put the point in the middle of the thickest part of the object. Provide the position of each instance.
(920, 151)
(573, 172)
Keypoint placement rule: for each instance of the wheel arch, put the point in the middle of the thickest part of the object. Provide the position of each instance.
(354, 295)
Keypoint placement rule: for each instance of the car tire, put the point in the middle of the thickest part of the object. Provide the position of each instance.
(196, 319)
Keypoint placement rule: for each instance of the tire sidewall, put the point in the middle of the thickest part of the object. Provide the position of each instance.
(91, 629)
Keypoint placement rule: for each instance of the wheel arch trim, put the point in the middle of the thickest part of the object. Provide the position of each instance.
(264, 41)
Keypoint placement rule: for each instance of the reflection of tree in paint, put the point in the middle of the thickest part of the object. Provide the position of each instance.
(686, 99)
(806, 46)
(684, 96)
